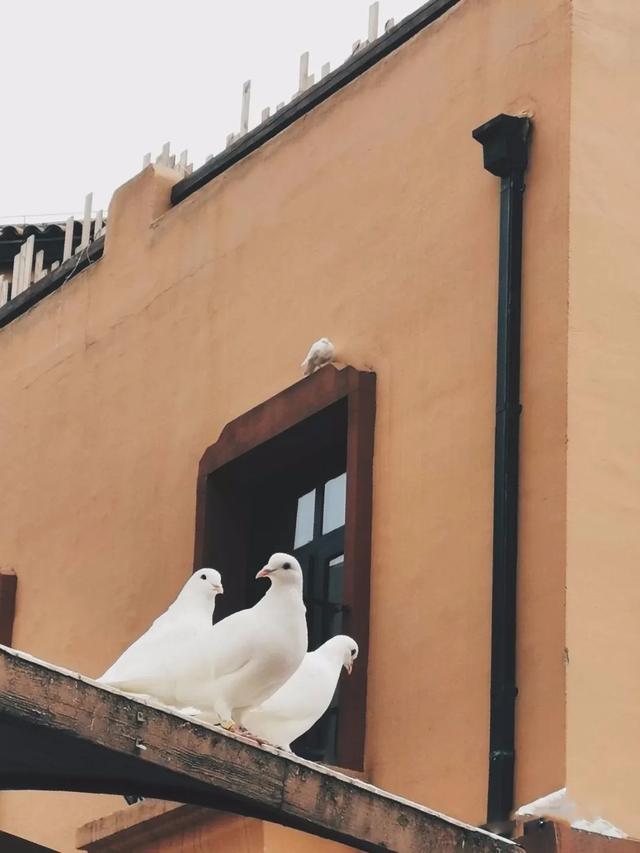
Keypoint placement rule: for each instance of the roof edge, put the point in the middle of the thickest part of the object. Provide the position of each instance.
(313, 97)
(39, 289)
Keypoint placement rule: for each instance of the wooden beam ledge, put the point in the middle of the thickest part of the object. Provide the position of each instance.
(62, 731)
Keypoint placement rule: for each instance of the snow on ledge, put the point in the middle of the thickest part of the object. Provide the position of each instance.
(559, 805)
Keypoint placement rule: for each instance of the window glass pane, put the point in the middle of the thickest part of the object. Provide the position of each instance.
(331, 737)
(335, 495)
(304, 519)
(316, 634)
(336, 572)
(307, 576)
(336, 623)
(319, 581)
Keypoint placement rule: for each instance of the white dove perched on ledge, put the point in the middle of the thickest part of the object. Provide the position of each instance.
(155, 663)
(300, 703)
(252, 653)
(322, 352)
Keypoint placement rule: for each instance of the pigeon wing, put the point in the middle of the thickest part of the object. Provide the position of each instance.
(297, 705)
(151, 663)
(233, 642)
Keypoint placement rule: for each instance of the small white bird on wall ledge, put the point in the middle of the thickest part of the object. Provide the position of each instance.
(322, 352)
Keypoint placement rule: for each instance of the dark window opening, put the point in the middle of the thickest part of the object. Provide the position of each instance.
(8, 585)
(294, 475)
(319, 547)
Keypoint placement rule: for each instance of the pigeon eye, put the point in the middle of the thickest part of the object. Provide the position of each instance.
(286, 565)
(353, 653)
(203, 577)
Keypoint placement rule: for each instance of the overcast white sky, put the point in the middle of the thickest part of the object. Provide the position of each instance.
(89, 88)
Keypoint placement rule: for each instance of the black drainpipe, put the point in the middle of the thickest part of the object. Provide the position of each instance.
(504, 140)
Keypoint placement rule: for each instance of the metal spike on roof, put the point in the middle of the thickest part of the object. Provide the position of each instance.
(38, 270)
(68, 239)
(98, 225)
(163, 159)
(305, 80)
(246, 104)
(86, 222)
(374, 17)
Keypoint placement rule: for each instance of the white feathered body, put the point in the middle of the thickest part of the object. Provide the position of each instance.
(322, 352)
(252, 654)
(299, 703)
(158, 663)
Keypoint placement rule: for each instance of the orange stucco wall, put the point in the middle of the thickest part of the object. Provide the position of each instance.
(603, 534)
(370, 221)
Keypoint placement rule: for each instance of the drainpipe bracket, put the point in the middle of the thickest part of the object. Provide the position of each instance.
(504, 140)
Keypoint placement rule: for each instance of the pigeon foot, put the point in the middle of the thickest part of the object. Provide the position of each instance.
(259, 740)
(236, 729)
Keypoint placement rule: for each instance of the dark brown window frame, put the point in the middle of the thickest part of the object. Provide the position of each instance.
(288, 409)
(8, 586)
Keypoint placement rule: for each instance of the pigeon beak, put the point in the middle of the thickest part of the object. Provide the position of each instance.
(217, 587)
(264, 572)
(349, 667)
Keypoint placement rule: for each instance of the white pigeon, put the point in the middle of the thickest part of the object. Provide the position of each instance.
(322, 352)
(160, 658)
(300, 703)
(253, 652)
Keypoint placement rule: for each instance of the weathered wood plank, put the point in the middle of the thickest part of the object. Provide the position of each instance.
(60, 730)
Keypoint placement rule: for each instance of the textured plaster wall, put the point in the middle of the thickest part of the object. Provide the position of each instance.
(603, 534)
(373, 222)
